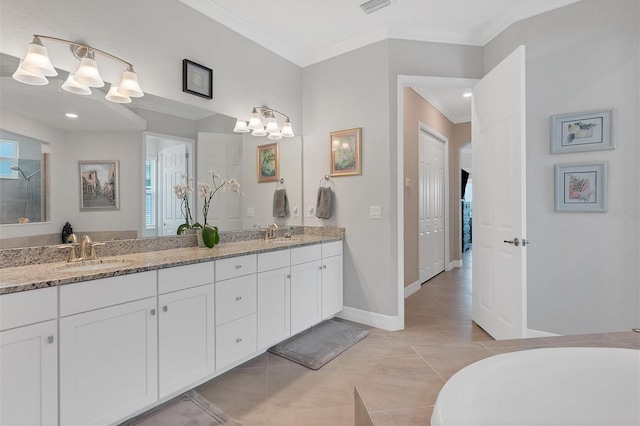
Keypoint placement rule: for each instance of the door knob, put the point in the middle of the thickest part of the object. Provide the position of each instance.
(515, 242)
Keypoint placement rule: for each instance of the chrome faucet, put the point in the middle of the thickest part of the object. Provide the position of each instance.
(271, 232)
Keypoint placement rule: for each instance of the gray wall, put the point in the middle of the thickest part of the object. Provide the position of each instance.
(583, 271)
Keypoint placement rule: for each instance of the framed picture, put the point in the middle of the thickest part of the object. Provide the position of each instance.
(579, 132)
(99, 185)
(197, 79)
(268, 163)
(581, 187)
(345, 152)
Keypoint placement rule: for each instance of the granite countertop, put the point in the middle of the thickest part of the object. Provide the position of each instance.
(44, 275)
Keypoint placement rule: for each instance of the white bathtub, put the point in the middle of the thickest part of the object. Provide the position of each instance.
(554, 386)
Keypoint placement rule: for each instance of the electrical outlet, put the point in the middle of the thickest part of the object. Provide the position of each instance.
(310, 212)
(375, 212)
(250, 212)
(296, 211)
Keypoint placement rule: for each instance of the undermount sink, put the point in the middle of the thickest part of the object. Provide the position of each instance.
(93, 265)
(282, 240)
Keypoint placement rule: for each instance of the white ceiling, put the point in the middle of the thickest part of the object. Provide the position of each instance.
(310, 31)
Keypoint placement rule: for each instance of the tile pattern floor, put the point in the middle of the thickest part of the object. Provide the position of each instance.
(398, 374)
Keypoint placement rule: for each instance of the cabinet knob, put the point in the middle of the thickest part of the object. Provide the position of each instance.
(165, 308)
(238, 266)
(320, 268)
(238, 340)
(289, 276)
(50, 339)
(324, 266)
(238, 298)
(153, 312)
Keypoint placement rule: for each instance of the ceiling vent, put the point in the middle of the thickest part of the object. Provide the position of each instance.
(373, 5)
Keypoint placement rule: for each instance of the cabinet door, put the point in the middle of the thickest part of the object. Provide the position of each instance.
(29, 375)
(305, 295)
(108, 363)
(274, 322)
(331, 286)
(186, 337)
(235, 340)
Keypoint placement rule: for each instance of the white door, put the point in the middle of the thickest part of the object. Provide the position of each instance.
(186, 337)
(332, 286)
(274, 307)
(305, 295)
(222, 154)
(174, 165)
(431, 205)
(499, 178)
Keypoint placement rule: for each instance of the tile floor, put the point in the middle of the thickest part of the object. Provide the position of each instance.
(398, 374)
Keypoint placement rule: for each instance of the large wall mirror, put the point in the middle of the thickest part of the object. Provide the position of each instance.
(138, 136)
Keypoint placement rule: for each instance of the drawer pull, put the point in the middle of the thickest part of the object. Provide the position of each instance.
(324, 266)
(238, 298)
(165, 308)
(50, 339)
(238, 340)
(153, 312)
(320, 267)
(289, 276)
(238, 266)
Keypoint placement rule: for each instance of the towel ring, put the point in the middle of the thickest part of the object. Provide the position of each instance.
(328, 181)
(280, 183)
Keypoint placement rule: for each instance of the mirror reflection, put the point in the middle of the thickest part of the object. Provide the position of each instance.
(141, 136)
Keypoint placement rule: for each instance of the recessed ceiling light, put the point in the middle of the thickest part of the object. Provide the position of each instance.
(71, 115)
(467, 95)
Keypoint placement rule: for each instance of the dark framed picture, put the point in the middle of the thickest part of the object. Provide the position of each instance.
(580, 132)
(268, 163)
(197, 79)
(99, 185)
(346, 152)
(581, 187)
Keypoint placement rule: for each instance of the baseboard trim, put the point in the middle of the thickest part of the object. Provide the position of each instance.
(538, 333)
(373, 319)
(411, 288)
(455, 264)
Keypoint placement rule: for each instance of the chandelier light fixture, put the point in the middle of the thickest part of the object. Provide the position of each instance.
(263, 123)
(36, 67)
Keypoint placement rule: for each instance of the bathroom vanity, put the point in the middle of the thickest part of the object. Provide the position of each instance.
(98, 346)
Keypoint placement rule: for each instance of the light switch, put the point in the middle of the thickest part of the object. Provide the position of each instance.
(375, 212)
(250, 212)
(296, 211)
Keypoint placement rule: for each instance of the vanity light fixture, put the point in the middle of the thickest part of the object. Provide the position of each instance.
(36, 66)
(261, 116)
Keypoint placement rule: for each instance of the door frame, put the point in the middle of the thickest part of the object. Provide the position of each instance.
(191, 166)
(402, 82)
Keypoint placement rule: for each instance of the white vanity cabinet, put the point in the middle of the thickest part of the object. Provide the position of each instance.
(236, 306)
(306, 276)
(29, 358)
(274, 297)
(332, 281)
(185, 326)
(108, 348)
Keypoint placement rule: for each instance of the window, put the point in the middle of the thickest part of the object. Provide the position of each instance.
(8, 159)
(151, 198)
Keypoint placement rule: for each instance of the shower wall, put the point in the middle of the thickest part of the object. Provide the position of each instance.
(22, 198)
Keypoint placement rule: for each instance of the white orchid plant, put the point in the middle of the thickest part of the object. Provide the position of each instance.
(182, 191)
(207, 191)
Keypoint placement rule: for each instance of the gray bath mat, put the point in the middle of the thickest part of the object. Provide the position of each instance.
(188, 409)
(318, 345)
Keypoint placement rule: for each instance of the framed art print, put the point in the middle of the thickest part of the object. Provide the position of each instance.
(581, 187)
(268, 163)
(197, 79)
(579, 132)
(346, 152)
(99, 185)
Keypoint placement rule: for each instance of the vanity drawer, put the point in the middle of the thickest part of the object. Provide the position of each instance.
(235, 298)
(333, 248)
(96, 294)
(274, 260)
(236, 340)
(305, 254)
(187, 276)
(235, 267)
(28, 307)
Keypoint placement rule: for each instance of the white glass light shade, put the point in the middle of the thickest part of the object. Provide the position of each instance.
(255, 122)
(71, 85)
(276, 136)
(287, 130)
(129, 84)
(272, 126)
(24, 76)
(259, 132)
(37, 60)
(241, 126)
(88, 74)
(114, 95)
